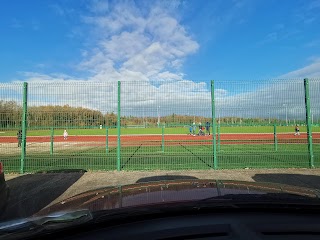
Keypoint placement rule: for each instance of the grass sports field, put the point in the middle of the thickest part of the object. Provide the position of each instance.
(171, 130)
(145, 149)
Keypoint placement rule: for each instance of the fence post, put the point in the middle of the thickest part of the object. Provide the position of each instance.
(24, 127)
(107, 140)
(162, 139)
(119, 128)
(275, 137)
(51, 141)
(308, 119)
(215, 163)
(219, 139)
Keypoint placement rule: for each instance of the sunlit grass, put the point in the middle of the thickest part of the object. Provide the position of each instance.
(155, 130)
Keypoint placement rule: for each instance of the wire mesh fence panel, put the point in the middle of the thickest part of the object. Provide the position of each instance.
(10, 125)
(315, 118)
(162, 116)
(163, 125)
(262, 124)
(67, 124)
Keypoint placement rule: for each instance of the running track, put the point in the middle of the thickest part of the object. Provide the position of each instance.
(188, 139)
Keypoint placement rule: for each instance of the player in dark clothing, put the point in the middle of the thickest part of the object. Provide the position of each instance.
(200, 133)
(297, 130)
(208, 128)
(19, 137)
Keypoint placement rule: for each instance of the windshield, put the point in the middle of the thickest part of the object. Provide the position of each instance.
(113, 104)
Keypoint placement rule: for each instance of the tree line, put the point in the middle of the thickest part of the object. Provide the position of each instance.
(10, 114)
(67, 116)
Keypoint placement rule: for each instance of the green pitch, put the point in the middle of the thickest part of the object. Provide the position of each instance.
(171, 130)
(179, 157)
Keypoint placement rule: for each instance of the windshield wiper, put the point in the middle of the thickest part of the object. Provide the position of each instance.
(29, 227)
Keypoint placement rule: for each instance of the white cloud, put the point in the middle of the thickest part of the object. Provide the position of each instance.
(140, 98)
(168, 76)
(310, 71)
(145, 43)
(120, 16)
(308, 12)
(124, 45)
(137, 97)
(272, 99)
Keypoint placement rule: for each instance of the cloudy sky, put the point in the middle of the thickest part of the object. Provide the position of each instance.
(166, 46)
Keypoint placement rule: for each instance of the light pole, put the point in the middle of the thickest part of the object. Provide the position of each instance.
(144, 123)
(158, 116)
(286, 106)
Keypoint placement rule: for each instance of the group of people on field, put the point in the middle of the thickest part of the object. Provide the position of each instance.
(193, 129)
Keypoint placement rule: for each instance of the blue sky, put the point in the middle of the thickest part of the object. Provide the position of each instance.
(195, 40)
(173, 48)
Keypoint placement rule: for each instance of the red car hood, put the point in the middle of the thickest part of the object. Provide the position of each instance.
(153, 193)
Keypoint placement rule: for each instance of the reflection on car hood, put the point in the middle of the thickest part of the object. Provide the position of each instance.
(152, 193)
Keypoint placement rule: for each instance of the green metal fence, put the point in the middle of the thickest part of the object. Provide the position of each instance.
(277, 102)
(11, 96)
(159, 125)
(314, 86)
(163, 107)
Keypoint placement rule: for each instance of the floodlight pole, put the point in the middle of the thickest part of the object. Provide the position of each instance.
(286, 106)
(215, 162)
(119, 129)
(24, 127)
(308, 120)
(158, 116)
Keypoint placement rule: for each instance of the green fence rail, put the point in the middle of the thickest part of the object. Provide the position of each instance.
(168, 126)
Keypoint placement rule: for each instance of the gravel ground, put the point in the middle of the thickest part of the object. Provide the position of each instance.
(45, 189)
(91, 180)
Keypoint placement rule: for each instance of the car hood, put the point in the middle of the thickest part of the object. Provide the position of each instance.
(163, 192)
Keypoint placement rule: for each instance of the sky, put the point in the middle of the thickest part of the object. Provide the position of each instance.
(163, 44)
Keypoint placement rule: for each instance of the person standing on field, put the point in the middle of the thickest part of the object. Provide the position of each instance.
(194, 129)
(296, 130)
(208, 128)
(19, 137)
(65, 134)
